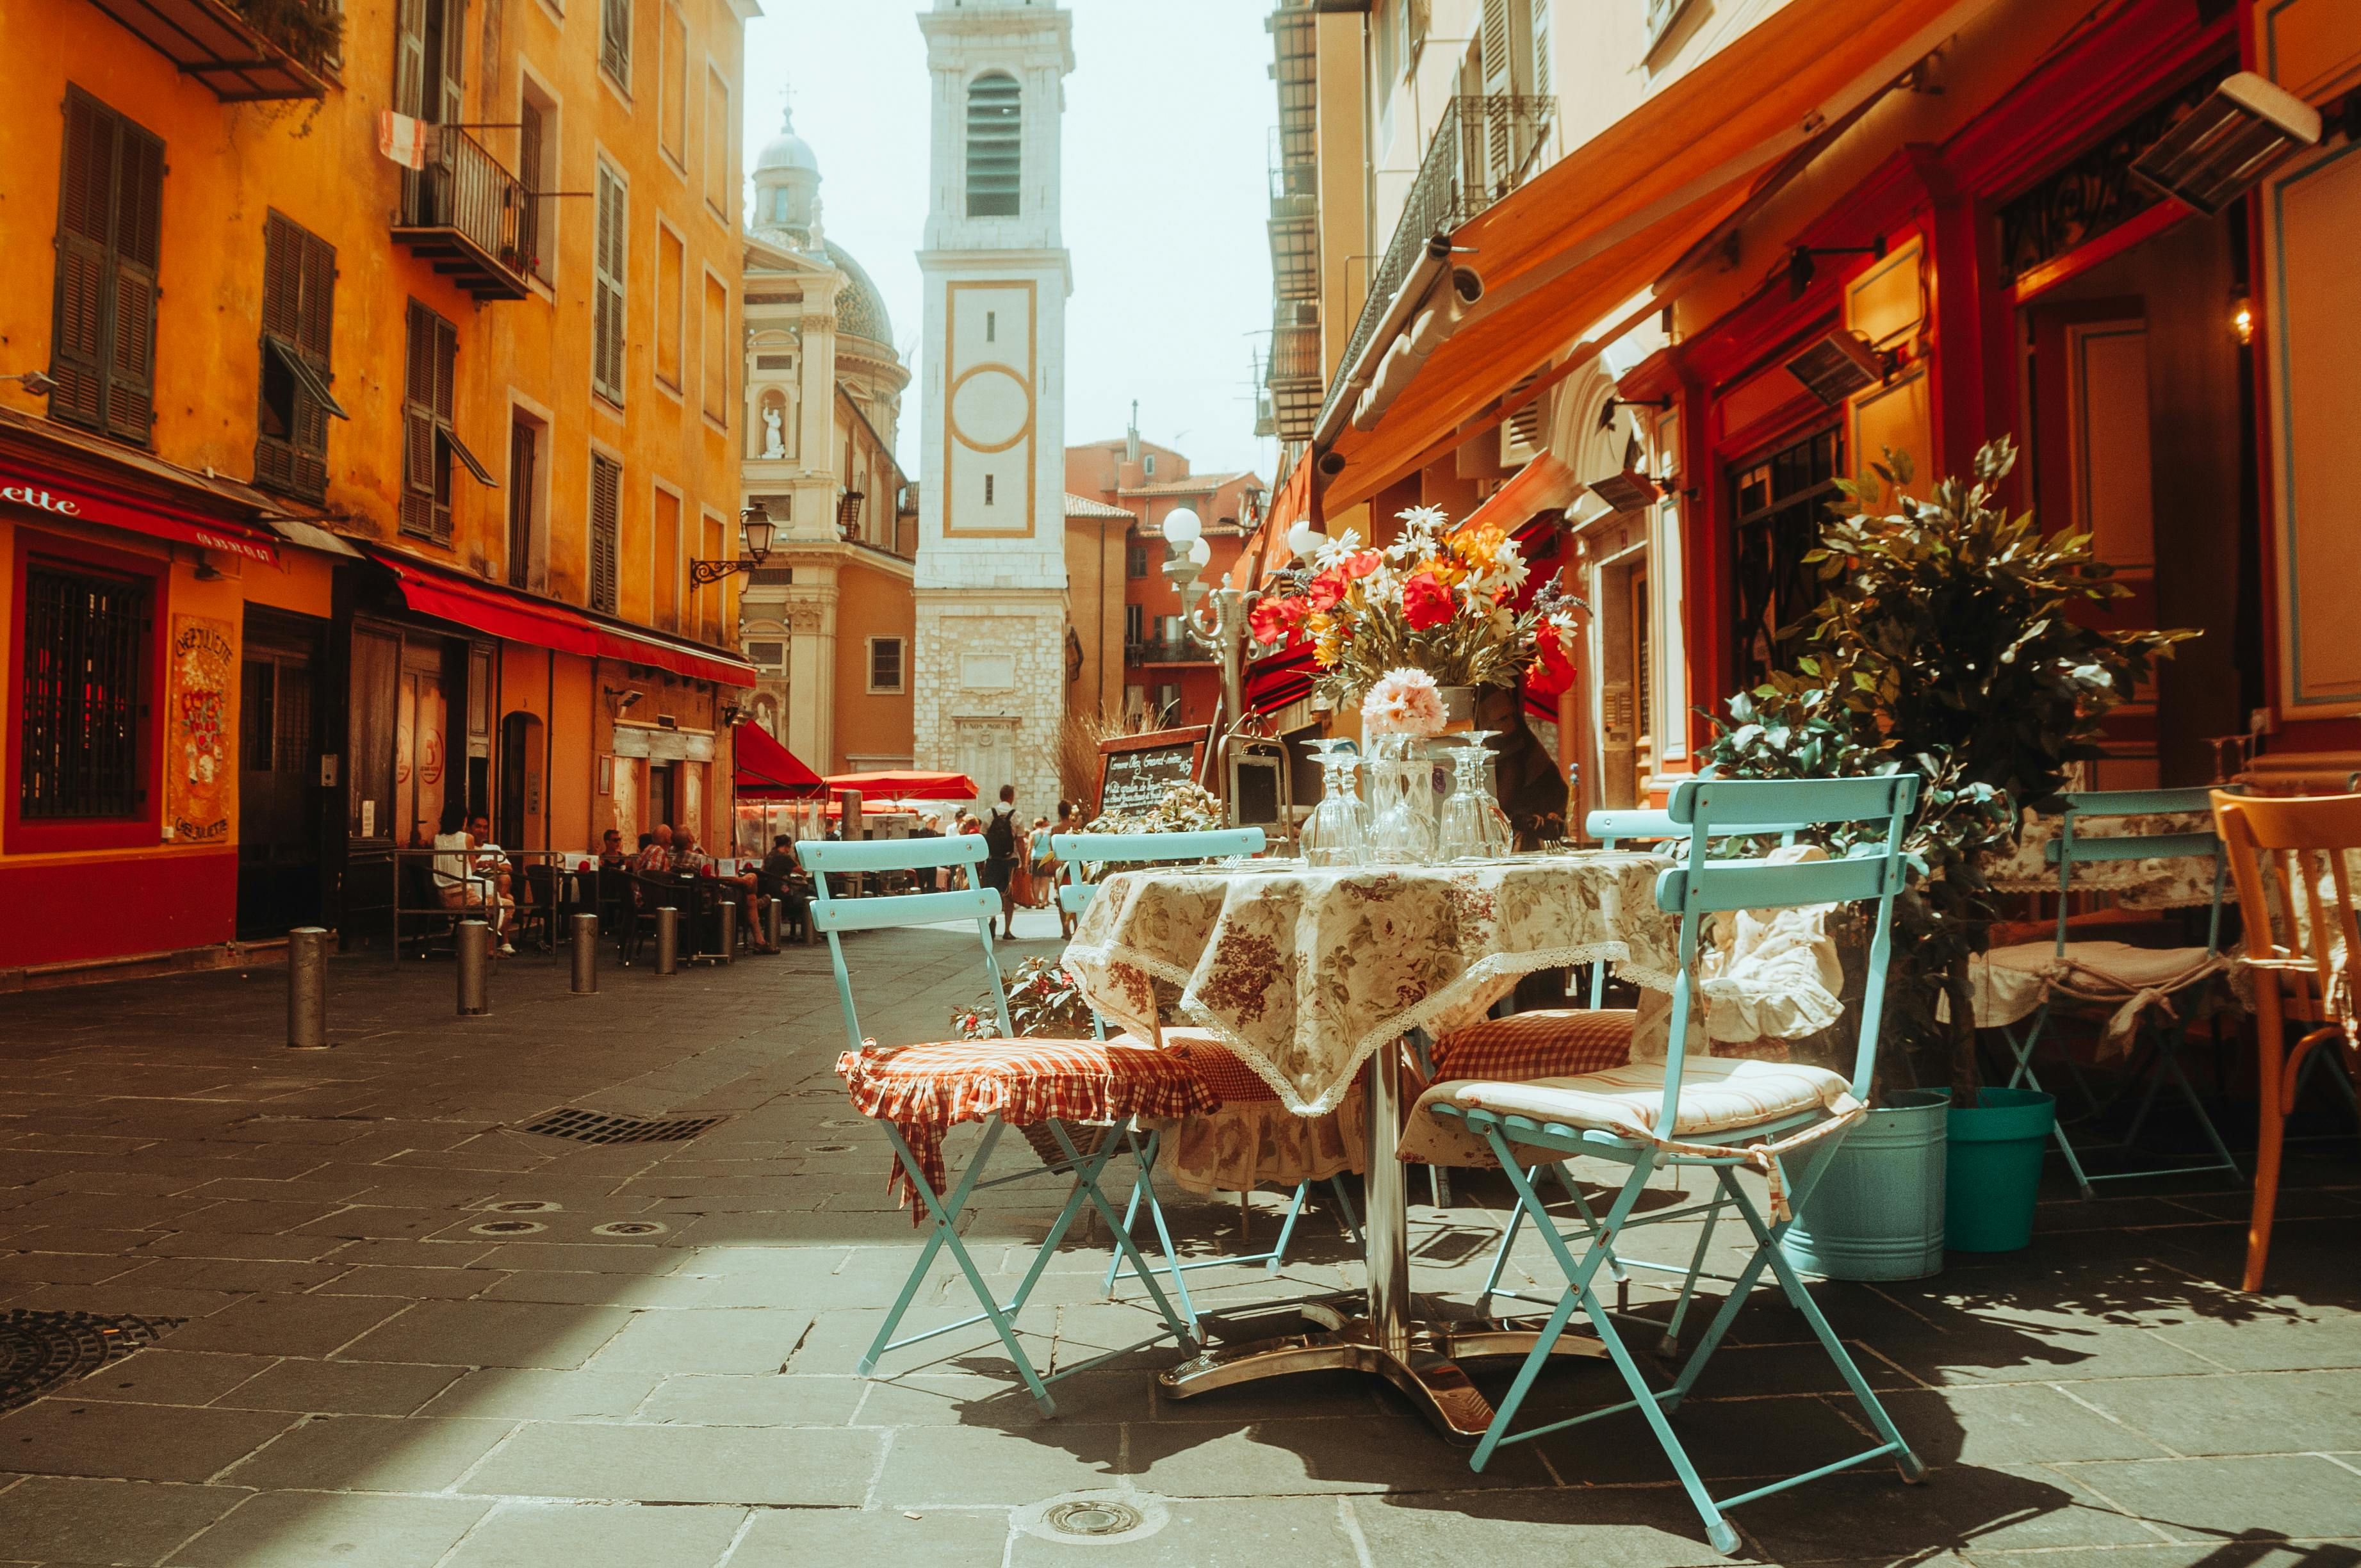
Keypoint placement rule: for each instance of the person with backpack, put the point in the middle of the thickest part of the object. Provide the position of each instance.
(1000, 856)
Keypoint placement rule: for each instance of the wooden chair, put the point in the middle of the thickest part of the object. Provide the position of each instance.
(2290, 860)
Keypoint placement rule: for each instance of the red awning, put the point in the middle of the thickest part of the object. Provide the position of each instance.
(768, 770)
(1282, 676)
(521, 617)
(79, 500)
(903, 784)
(1545, 484)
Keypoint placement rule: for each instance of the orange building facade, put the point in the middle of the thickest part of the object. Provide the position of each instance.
(338, 491)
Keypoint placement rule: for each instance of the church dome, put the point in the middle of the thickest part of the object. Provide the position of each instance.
(859, 308)
(786, 150)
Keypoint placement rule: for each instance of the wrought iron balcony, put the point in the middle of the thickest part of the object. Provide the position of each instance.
(466, 212)
(1164, 651)
(243, 50)
(1484, 147)
(1296, 378)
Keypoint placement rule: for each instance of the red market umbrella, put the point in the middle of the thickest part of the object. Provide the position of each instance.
(903, 784)
(768, 770)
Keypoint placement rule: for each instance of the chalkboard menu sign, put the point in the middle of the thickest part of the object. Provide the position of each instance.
(1136, 770)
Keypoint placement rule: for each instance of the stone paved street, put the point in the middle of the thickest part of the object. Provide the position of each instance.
(392, 1330)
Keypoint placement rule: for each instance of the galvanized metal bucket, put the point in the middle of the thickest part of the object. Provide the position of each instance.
(1878, 1213)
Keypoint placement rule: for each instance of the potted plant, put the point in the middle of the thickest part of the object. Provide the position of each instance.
(1955, 642)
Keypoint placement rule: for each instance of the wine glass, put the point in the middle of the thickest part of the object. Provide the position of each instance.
(1336, 833)
(1472, 825)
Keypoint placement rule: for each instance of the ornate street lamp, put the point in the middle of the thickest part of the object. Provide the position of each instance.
(1212, 617)
(759, 532)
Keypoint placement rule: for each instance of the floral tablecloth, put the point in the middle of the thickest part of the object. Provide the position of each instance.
(1304, 972)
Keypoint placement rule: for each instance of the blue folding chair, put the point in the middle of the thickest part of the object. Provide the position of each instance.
(1079, 851)
(2105, 969)
(1791, 1108)
(1612, 828)
(833, 916)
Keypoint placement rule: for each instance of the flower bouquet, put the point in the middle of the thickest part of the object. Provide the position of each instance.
(1436, 599)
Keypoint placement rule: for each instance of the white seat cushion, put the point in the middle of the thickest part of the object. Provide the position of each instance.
(1718, 1095)
(2116, 963)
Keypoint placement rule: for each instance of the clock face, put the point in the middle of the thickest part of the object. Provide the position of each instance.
(991, 408)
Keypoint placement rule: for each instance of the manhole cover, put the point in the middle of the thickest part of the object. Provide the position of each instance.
(630, 1228)
(595, 1127)
(522, 1206)
(1093, 1518)
(40, 1350)
(507, 1228)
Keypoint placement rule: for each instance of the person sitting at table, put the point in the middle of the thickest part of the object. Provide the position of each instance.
(655, 852)
(464, 881)
(689, 859)
(785, 874)
(612, 857)
(494, 862)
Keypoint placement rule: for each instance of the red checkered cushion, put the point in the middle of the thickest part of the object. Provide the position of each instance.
(1231, 1079)
(925, 1090)
(1555, 1042)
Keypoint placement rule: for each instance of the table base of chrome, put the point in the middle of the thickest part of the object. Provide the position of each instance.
(1419, 1356)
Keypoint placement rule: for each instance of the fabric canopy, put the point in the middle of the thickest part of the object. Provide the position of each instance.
(521, 617)
(768, 770)
(906, 785)
(81, 500)
(1598, 228)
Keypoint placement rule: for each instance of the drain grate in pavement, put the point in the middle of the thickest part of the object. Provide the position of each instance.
(1094, 1518)
(631, 1228)
(40, 1350)
(595, 1127)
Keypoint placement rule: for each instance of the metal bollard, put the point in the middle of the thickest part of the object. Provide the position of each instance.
(307, 989)
(585, 955)
(473, 945)
(775, 911)
(728, 923)
(668, 940)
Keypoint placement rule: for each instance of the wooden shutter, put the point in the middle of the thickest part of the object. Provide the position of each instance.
(85, 232)
(110, 220)
(139, 220)
(446, 375)
(609, 261)
(454, 55)
(605, 499)
(418, 464)
(529, 154)
(299, 279)
(410, 59)
(1541, 43)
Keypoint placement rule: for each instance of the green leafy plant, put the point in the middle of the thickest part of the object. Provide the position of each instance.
(1043, 1004)
(310, 30)
(1954, 642)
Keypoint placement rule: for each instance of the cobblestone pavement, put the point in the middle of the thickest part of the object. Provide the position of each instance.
(389, 1328)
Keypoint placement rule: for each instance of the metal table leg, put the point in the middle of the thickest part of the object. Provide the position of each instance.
(1386, 1339)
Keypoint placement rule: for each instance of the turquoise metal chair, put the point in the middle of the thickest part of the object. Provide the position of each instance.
(833, 916)
(1566, 1123)
(1076, 851)
(1612, 828)
(2166, 1039)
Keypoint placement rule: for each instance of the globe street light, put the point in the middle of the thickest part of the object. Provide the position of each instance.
(1212, 617)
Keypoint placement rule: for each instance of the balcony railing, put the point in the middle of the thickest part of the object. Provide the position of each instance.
(1164, 651)
(243, 50)
(466, 212)
(1484, 147)
(1296, 378)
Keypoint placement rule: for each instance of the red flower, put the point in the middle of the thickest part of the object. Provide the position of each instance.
(1327, 590)
(1362, 564)
(1272, 619)
(1551, 670)
(1426, 603)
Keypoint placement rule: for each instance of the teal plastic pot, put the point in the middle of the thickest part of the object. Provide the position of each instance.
(1996, 1168)
(1877, 1211)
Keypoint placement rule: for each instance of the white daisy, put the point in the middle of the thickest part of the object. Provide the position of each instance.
(1342, 548)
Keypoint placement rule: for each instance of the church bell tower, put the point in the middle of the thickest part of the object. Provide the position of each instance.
(989, 670)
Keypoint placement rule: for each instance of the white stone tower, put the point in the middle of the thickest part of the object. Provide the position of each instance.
(989, 670)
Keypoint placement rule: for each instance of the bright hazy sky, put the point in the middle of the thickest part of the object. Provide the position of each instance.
(1168, 114)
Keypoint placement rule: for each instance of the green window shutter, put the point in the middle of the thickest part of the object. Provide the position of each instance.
(418, 464)
(605, 500)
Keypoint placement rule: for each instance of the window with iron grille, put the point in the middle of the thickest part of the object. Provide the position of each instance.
(110, 215)
(995, 146)
(615, 40)
(885, 663)
(82, 696)
(1780, 504)
(299, 285)
(606, 505)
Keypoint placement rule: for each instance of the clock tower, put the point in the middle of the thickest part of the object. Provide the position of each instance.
(990, 670)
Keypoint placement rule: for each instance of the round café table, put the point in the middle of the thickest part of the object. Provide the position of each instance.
(1313, 975)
